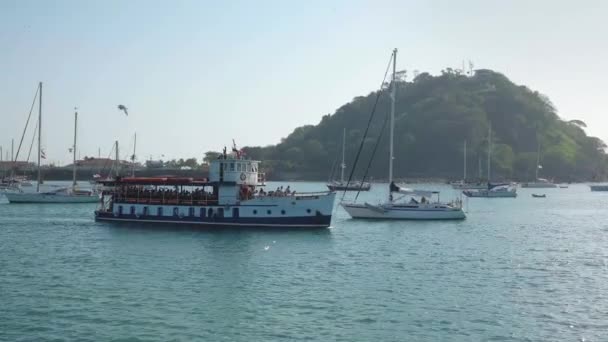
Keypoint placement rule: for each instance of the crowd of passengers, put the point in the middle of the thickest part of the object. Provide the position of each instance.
(279, 192)
(134, 192)
(165, 193)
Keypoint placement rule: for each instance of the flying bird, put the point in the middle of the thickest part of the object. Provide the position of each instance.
(124, 109)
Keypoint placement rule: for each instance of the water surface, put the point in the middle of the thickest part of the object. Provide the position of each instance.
(520, 269)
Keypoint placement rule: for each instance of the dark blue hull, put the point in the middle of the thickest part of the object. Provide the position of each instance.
(318, 221)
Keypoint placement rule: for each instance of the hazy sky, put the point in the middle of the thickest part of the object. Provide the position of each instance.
(195, 74)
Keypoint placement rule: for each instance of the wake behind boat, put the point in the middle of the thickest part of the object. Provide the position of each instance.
(396, 208)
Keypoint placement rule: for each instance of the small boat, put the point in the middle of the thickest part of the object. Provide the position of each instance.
(539, 183)
(493, 191)
(501, 190)
(599, 187)
(563, 186)
(539, 196)
(343, 185)
(397, 207)
(464, 184)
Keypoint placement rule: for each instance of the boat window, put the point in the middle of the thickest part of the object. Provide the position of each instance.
(282, 212)
(255, 212)
(202, 212)
(120, 210)
(268, 212)
(231, 166)
(308, 211)
(175, 211)
(159, 211)
(145, 211)
(210, 212)
(191, 211)
(132, 210)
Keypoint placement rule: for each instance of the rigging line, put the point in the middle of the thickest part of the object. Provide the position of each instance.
(26, 124)
(371, 159)
(29, 153)
(352, 170)
(107, 160)
(333, 168)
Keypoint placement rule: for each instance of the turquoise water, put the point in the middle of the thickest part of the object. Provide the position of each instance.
(520, 269)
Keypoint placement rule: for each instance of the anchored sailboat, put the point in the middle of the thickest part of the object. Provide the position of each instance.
(418, 207)
(60, 195)
(347, 186)
(492, 190)
(539, 182)
(463, 184)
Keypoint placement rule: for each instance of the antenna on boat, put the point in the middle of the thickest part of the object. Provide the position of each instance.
(133, 156)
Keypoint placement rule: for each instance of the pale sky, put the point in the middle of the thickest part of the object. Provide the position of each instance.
(195, 74)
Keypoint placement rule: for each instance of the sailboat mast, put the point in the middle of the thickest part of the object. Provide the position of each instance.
(537, 158)
(39, 137)
(489, 149)
(343, 165)
(392, 123)
(133, 157)
(74, 150)
(464, 179)
(117, 160)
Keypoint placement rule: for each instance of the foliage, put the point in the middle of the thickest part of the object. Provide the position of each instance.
(434, 115)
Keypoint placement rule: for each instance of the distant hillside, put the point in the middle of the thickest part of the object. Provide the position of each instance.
(434, 115)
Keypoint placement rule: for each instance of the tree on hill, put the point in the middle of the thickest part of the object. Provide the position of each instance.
(434, 115)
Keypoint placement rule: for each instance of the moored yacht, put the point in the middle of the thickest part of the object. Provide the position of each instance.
(342, 185)
(231, 197)
(503, 190)
(397, 207)
(60, 195)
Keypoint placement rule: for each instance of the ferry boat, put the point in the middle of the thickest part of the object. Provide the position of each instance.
(232, 196)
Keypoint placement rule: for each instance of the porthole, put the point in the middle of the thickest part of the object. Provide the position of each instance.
(268, 212)
(308, 211)
(282, 212)
(255, 212)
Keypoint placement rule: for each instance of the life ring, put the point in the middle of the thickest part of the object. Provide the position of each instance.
(243, 176)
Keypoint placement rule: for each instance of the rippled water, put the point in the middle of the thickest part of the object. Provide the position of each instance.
(520, 269)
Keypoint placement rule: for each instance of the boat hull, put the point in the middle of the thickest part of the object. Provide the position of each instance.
(405, 212)
(490, 194)
(317, 221)
(350, 187)
(599, 187)
(539, 185)
(48, 198)
(461, 186)
(300, 211)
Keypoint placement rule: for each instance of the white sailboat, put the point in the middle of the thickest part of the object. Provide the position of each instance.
(463, 184)
(492, 190)
(59, 195)
(347, 186)
(539, 182)
(418, 207)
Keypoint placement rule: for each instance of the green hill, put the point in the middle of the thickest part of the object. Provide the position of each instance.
(434, 115)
